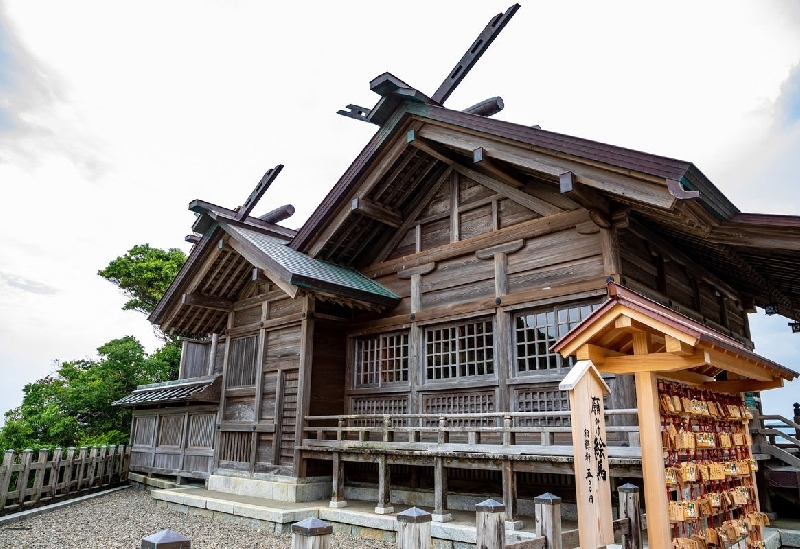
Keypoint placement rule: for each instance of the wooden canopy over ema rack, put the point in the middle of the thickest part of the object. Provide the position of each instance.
(632, 334)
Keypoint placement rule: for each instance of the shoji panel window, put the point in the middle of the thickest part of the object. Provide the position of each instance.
(381, 360)
(459, 350)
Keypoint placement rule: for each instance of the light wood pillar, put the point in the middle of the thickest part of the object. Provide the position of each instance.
(658, 534)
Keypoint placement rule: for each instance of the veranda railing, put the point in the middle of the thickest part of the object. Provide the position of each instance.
(506, 428)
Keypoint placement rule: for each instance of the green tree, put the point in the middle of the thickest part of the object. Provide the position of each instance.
(73, 406)
(144, 274)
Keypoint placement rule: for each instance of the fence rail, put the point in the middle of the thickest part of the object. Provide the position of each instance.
(506, 428)
(26, 482)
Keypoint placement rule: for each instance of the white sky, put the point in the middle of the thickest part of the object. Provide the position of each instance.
(113, 116)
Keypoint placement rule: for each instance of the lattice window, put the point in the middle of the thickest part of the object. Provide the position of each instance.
(374, 404)
(536, 331)
(242, 362)
(201, 430)
(381, 360)
(170, 431)
(543, 399)
(462, 350)
(143, 430)
(461, 403)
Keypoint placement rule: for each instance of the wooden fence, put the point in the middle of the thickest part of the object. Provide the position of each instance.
(26, 482)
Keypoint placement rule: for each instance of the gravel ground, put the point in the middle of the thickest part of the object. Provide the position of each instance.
(123, 518)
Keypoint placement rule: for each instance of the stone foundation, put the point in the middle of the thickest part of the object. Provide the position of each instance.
(274, 487)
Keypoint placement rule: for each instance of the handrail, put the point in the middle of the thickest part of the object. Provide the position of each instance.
(475, 415)
(789, 424)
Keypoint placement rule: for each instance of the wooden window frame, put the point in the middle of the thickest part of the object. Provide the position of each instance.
(454, 347)
(385, 367)
(555, 326)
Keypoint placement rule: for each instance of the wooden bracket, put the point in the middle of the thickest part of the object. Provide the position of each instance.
(207, 302)
(418, 270)
(376, 211)
(598, 206)
(507, 248)
(480, 158)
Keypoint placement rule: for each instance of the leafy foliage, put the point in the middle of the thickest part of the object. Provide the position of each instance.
(144, 274)
(73, 407)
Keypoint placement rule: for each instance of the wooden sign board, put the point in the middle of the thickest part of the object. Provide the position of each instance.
(592, 477)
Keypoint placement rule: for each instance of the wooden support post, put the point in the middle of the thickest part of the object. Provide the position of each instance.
(38, 479)
(444, 434)
(68, 467)
(311, 533)
(548, 519)
(55, 472)
(490, 525)
(629, 508)
(388, 432)
(22, 479)
(82, 466)
(384, 506)
(5, 476)
(440, 513)
(304, 383)
(337, 493)
(510, 495)
(414, 529)
(658, 533)
(508, 435)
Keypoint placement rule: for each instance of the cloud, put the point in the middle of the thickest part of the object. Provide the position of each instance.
(26, 284)
(36, 117)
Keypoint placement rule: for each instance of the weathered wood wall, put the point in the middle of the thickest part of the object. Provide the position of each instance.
(475, 257)
(174, 441)
(261, 372)
(656, 268)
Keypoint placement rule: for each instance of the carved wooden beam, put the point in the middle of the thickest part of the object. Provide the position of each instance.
(442, 154)
(377, 212)
(207, 302)
(651, 362)
(481, 159)
(598, 206)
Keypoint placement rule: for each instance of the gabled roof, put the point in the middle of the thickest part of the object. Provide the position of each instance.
(202, 389)
(756, 254)
(297, 269)
(680, 347)
(221, 264)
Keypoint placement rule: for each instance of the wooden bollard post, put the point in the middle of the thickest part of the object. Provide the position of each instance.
(490, 524)
(166, 539)
(311, 533)
(629, 508)
(548, 519)
(414, 529)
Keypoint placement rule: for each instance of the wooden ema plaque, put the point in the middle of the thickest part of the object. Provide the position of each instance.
(592, 478)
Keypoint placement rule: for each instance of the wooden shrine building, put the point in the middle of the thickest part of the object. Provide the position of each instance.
(402, 340)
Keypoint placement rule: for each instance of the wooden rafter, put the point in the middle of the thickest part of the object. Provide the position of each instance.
(377, 212)
(522, 198)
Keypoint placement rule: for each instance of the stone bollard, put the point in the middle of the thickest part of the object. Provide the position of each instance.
(166, 539)
(548, 519)
(311, 533)
(629, 508)
(490, 524)
(414, 529)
